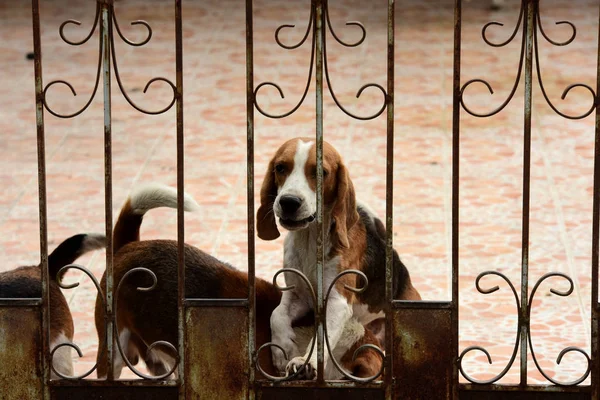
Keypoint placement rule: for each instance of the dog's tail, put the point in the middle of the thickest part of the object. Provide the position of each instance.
(141, 200)
(71, 249)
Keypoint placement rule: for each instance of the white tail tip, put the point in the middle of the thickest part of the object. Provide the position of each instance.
(153, 195)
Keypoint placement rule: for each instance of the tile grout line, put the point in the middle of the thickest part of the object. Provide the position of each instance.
(32, 178)
(224, 223)
(558, 209)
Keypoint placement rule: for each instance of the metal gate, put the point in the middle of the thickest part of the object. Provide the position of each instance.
(409, 372)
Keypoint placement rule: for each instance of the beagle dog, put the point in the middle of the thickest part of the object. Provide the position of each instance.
(354, 238)
(145, 317)
(26, 282)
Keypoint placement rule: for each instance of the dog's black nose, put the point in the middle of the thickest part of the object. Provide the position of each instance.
(290, 204)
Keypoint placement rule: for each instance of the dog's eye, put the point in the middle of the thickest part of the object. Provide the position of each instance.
(325, 173)
(279, 168)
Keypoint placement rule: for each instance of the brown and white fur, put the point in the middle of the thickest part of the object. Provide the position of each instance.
(26, 282)
(354, 238)
(146, 317)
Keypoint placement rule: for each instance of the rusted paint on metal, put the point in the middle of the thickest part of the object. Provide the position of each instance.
(43, 213)
(523, 315)
(464, 387)
(250, 192)
(595, 321)
(456, 93)
(389, 200)
(20, 353)
(217, 353)
(423, 354)
(319, 312)
(522, 395)
(117, 392)
(180, 193)
(105, 32)
(276, 393)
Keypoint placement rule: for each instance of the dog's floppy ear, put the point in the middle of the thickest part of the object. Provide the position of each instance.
(344, 211)
(265, 217)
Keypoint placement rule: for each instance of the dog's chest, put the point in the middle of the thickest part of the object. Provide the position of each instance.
(300, 253)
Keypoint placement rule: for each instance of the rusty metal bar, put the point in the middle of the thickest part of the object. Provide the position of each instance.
(319, 135)
(216, 302)
(338, 384)
(595, 373)
(43, 212)
(422, 304)
(116, 383)
(389, 204)
(180, 200)
(105, 31)
(527, 388)
(523, 315)
(250, 195)
(456, 99)
(20, 302)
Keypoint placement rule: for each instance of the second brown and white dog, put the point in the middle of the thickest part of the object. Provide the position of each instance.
(145, 317)
(354, 238)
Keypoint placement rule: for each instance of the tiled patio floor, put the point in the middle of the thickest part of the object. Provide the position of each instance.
(215, 128)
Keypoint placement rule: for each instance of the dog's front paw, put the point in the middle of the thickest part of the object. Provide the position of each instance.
(308, 373)
(279, 360)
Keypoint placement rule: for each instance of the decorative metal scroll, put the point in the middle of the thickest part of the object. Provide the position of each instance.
(87, 272)
(332, 358)
(163, 343)
(312, 24)
(74, 346)
(107, 38)
(112, 23)
(527, 323)
(537, 26)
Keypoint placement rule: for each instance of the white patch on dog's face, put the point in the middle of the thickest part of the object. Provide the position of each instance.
(297, 185)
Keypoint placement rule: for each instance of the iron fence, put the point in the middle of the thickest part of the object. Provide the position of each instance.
(429, 324)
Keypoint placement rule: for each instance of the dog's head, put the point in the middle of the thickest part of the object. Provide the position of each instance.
(289, 191)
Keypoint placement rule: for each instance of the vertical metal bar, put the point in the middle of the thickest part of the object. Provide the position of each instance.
(595, 376)
(41, 149)
(456, 187)
(389, 206)
(250, 192)
(319, 134)
(523, 322)
(180, 192)
(105, 31)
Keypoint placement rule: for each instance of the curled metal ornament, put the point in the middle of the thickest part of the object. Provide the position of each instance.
(483, 350)
(60, 273)
(565, 350)
(349, 23)
(361, 348)
(271, 344)
(301, 42)
(151, 346)
(538, 21)
(138, 22)
(120, 83)
(495, 23)
(537, 24)
(555, 43)
(312, 24)
(112, 22)
(484, 82)
(310, 68)
(97, 81)
(61, 29)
